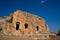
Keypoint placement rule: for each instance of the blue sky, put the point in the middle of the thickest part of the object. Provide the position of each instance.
(47, 9)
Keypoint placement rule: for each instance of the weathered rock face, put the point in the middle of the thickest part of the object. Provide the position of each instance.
(24, 23)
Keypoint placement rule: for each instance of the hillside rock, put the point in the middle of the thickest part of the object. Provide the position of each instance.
(23, 23)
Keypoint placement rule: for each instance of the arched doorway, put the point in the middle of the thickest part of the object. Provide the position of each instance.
(17, 25)
(37, 27)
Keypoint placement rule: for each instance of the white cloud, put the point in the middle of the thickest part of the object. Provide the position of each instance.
(42, 2)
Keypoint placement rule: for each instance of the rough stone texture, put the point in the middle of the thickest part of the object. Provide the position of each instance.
(9, 24)
(32, 20)
(27, 37)
(8, 27)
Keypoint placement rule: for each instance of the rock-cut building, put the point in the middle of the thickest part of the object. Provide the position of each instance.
(23, 23)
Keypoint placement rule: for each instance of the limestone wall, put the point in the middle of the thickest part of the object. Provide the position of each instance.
(28, 24)
(32, 20)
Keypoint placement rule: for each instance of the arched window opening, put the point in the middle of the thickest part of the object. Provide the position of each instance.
(17, 25)
(26, 25)
(37, 27)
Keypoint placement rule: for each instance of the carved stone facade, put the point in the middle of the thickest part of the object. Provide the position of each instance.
(20, 23)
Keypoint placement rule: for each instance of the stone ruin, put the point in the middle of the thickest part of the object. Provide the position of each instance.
(23, 23)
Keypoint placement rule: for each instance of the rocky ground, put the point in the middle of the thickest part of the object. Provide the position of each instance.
(7, 37)
(12, 37)
(54, 37)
